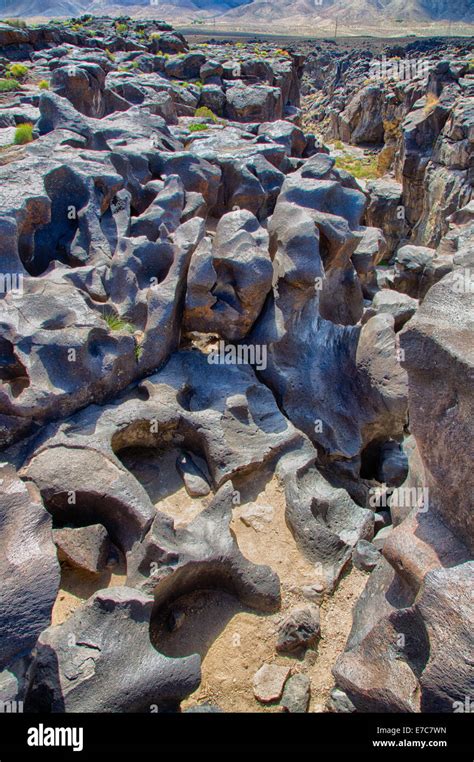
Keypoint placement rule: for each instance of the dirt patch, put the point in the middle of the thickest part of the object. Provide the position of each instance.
(76, 587)
(243, 640)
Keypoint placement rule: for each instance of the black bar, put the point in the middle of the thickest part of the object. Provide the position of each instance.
(106, 734)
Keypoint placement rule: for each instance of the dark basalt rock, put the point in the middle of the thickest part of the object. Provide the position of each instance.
(101, 660)
(188, 278)
(29, 567)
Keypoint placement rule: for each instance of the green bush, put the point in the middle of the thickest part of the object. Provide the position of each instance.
(23, 134)
(18, 23)
(43, 85)
(205, 113)
(8, 85)
(109, 55)
(362, 169)
(17, 71)
(197, 127)
(121, 28)
(116, 323)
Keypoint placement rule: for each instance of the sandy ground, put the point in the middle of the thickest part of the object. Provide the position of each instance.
(76, 587)
(244, 640)
(233, 642)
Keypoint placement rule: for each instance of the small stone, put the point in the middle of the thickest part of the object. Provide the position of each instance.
(269, 681)
(340, 702)
(86, 548)
(314, 593)
(365, 556)
(296, 694)
(256, 516)
(205, 708)
(195, 483)
(300, 629)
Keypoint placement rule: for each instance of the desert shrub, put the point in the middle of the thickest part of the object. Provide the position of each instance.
(392, 130)
(17, 71)
(116, 323)
(109, 55)
(23, 134)
(43, 85)
(198, 127)
(385, 159)
(430, 103)
(203, 112)
(363, 169)
(8, 85)
(121, 28)
(18, 23)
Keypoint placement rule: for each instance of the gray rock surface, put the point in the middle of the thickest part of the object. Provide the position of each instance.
(101, 660)
(29, 567)
(269, 681)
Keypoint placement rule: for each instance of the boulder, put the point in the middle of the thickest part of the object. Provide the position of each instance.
(253, 103)
(229, 278)
(86, 548)
(30, 570)
(101, 660)
(417, 268)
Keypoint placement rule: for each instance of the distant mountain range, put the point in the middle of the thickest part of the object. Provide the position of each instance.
(284, 13)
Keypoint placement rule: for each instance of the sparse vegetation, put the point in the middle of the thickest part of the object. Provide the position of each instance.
(363, 169)
(198, 127)
(109, 55)
(431, 102)
(9, 85)
(17, 71)
(18, 23)
(43, 84)
(385, 159)
(116, 323)
(121, 28)
(23, 134)
(203, 112)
